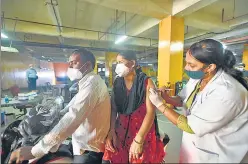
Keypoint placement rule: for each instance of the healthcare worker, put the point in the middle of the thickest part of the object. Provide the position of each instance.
(216, 98)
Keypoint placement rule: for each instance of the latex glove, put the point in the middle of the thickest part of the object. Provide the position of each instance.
(155, 98)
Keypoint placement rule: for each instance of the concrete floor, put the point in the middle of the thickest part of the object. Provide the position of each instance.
(173, 148)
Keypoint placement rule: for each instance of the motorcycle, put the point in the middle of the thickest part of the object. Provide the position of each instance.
(27, 132)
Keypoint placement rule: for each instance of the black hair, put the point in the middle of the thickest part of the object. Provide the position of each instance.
(129, 55)
(210, 51)
(86, 56)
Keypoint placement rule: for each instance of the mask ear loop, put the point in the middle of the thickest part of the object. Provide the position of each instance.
(83, 65)
(85, 72)
(134, 66)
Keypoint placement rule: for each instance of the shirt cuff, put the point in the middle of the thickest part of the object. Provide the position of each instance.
(37, 150)
(182, 123)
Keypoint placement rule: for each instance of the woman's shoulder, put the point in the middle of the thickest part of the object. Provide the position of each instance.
(149, 83)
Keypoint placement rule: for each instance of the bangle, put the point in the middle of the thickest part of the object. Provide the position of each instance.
(165, 107)
(138, 142)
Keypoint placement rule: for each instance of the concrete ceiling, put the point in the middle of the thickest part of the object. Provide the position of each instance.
(39, 26)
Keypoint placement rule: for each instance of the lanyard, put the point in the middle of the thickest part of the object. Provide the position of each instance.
(195, 91)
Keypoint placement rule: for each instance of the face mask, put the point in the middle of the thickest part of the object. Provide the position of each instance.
(122, 70)
(75, 74)
(195, 74)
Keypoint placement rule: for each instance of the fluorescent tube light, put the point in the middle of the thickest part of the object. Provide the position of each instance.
(8, 49)
(4, 36)
(121, 39)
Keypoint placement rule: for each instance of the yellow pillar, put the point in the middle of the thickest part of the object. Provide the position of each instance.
(145, 69)
(110, 57)
(96, 68)
(245, 57)
(170, 51)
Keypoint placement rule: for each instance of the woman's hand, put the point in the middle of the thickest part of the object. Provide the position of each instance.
(155, 98)
(135, 151)
(111, 141)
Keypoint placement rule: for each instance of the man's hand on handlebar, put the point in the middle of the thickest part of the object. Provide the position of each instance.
(21, 154)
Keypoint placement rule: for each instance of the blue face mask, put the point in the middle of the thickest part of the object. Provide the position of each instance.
(195, 74)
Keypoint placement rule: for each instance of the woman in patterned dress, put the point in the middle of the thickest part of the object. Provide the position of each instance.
(133, 137)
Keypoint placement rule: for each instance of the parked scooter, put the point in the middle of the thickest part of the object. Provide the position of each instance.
(27, 132)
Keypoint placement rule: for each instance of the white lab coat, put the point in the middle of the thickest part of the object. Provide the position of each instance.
(219, 118)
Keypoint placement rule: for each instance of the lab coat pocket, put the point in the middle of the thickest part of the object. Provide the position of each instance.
(206, 156)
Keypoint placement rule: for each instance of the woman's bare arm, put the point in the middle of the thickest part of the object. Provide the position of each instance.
(149, 117)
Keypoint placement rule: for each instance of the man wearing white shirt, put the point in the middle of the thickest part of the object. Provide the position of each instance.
(87, 120)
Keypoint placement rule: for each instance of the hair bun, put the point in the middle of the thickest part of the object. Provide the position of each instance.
(229, 59)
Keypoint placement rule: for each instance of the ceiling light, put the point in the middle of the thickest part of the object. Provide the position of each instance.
(121, 39)
(150, 64)
(163, 44)
(8, 49)
(49, 60)
(176, 47)
(43, 56)
(4, 36)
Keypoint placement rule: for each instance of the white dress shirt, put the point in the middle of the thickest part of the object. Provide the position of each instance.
(219, 119)
(88, 120)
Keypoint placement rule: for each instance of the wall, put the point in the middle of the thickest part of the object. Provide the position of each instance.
(14, 66)
(46, 73)
(60, 70)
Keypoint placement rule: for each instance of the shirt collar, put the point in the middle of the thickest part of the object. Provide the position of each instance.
(86, 77)
(216, 76)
